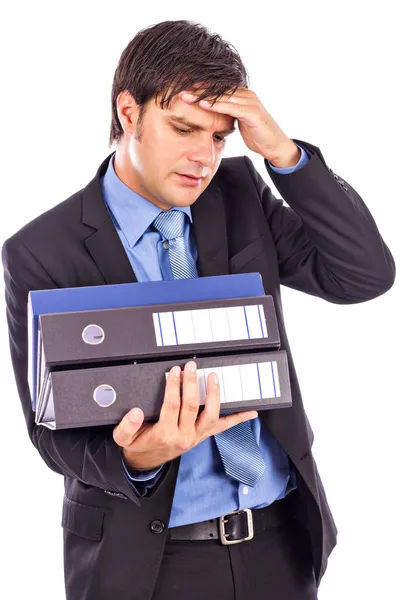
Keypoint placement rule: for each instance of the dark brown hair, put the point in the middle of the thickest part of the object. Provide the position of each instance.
(169, 57)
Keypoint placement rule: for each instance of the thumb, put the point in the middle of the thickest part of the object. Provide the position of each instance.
(125, 432)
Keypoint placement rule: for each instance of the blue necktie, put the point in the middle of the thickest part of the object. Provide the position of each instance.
(171, 225)
(239, 451)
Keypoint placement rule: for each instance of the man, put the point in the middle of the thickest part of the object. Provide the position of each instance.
(142, 501)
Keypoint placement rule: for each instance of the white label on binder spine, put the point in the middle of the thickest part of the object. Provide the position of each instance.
(201, 325)
(168, 334)
(157, 329)
(184, 324)
(219, 325)
(210, 325)
(237, 323)
(232, 383)
(252, 381)
(255, 318)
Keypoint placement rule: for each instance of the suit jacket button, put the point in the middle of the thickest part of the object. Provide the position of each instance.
(157, 526)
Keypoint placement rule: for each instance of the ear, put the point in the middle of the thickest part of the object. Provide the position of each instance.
(128, 112)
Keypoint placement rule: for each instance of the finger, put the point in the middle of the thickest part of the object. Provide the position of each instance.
(242, 95)
(210, 415)
(170, 409)
(232, 420)
(197, 86)
(126, 431)
(237, 109)
(233, 109)
(190, 399)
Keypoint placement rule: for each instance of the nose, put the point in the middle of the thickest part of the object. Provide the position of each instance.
(203, 153)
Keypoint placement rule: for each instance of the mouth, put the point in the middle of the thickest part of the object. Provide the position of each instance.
(190, 179)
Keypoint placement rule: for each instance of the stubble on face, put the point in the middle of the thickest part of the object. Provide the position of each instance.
(139, 125)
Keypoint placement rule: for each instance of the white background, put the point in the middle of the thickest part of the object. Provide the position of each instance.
(328, 73)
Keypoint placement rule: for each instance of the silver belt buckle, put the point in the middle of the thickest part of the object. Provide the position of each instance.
(224, 535)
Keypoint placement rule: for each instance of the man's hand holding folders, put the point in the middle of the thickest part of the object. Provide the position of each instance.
(179, 428)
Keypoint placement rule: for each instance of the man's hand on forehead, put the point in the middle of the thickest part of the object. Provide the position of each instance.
(258, 129)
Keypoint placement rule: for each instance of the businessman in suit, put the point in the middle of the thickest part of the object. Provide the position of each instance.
(143, 502)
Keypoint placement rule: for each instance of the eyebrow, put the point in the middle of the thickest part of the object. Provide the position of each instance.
(195, 127)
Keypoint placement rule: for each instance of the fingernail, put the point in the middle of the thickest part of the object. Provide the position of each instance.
(176, 371)
(191, 366)
(254, 416)
(215, 379)
(134, 415)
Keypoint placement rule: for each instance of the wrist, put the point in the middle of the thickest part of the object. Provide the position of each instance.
(287, 157)
(138, 464)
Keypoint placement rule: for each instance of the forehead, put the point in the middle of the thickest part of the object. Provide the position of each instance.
(193, 113)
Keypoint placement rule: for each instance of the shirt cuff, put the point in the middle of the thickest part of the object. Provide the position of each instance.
(141, 475)
(304, 158)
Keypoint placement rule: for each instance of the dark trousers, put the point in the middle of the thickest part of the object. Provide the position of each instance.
(274, 565)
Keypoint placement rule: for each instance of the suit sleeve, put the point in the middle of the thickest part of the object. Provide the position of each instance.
(327, 242)
(143, 481)
(88, 454)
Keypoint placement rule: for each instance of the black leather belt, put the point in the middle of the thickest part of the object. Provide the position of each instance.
(242, 525)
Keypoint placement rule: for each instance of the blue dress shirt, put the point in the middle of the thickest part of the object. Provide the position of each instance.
(203, 490)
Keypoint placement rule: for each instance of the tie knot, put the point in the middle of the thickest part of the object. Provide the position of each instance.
(170, 223)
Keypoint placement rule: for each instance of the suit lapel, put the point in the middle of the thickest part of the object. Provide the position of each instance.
(104, 244)
(209, 224)
(109, 255)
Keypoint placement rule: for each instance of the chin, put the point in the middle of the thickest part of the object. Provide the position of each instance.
(184, 202)
(182, 199)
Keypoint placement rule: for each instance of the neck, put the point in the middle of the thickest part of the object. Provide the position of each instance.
(123, 167)
(126, 172)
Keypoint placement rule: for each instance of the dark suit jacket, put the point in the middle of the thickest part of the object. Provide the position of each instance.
(326, 244)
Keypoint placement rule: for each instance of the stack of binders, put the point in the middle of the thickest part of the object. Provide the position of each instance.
(109, 350)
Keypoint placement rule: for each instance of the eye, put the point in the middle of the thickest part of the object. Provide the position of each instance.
(218, 138)
(183, 131)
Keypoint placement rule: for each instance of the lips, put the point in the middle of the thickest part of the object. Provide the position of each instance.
(189, 175)
(190, 180)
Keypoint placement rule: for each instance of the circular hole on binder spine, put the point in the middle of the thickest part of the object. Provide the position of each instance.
(93, 335)
(104, 395)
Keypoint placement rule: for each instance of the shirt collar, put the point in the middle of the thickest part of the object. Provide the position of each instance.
(133, 213)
